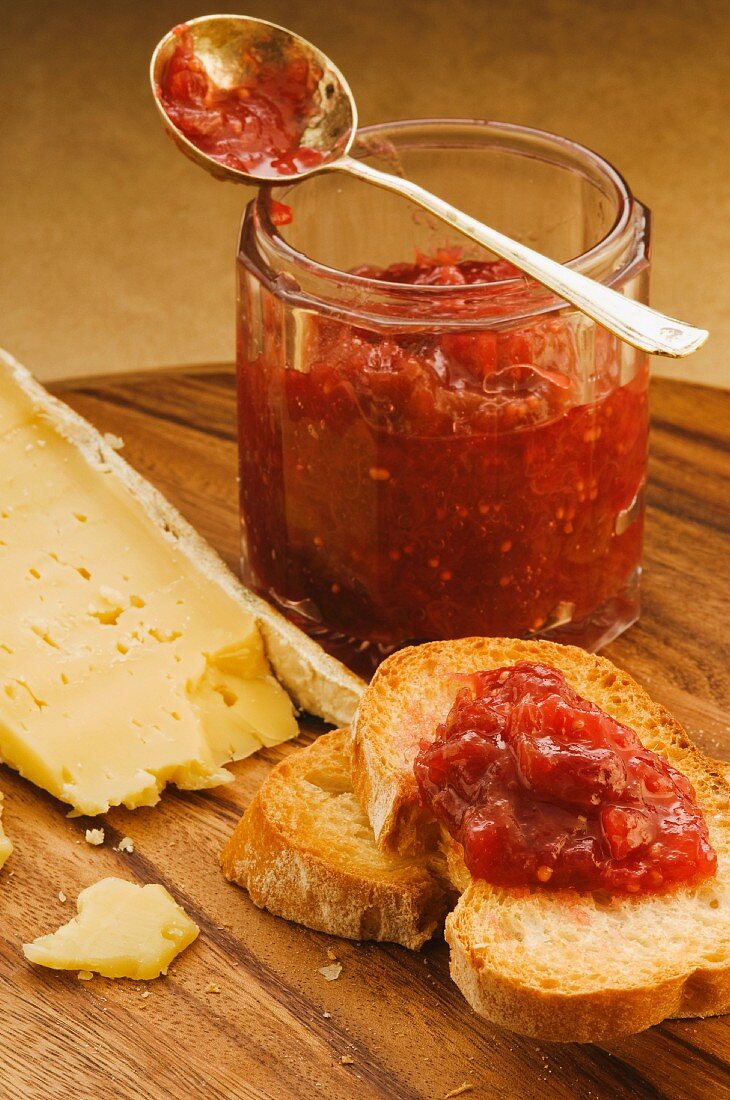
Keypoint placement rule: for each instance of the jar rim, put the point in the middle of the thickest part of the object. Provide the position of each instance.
(543, 301)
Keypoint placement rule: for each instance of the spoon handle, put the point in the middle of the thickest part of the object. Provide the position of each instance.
(637, 324)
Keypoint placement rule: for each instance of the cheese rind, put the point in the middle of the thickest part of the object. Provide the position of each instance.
(5, 845)
(123, 665)
(121, 930)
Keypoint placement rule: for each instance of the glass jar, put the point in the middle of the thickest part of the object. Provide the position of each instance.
(439, 461)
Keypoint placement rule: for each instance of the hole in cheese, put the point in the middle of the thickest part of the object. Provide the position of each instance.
(108, 616)
(42, 633)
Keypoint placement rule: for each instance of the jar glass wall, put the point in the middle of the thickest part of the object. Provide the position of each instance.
(438, 461)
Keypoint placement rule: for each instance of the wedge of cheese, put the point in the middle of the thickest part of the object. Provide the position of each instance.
(121, 930)
(5, 845)
(129, 656)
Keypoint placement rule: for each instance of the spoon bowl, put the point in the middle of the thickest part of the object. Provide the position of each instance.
(232, 49)
(235, 50)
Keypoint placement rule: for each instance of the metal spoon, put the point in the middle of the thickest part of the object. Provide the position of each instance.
(231, 47)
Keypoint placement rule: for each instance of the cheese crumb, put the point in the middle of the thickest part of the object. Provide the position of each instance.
(84, 975)
(145, 995)
(95, 836)
(114, 441)
(121, 930)
(211, 987)
(346, 1060)
(327, 1015)
(126, 844)
(61, 896)
(331, 973)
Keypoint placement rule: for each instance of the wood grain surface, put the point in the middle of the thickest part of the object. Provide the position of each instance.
(277, 1029)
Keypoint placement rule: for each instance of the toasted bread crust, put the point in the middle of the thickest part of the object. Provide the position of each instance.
(288, 852)
(589, 1017)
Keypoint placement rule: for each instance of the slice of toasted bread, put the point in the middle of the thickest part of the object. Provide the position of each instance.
(558, 965)
(304, 850)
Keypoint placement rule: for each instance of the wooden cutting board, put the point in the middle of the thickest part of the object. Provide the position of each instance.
(393, 1025)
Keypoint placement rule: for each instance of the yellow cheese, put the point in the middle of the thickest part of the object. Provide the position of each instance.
(123, 666)
(5, 845)
(121, 931)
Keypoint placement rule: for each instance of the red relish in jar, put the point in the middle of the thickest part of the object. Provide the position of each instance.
(411, 487)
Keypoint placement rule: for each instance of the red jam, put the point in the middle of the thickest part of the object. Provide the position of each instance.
(406, 486)
(443, 269)
(543, 788)
(256, 126)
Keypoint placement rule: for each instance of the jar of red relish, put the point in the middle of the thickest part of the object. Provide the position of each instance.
(431, 445)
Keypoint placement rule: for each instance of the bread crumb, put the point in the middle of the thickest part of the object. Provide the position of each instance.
(466, 1087)
(145, 994)
(331, 973)
(95, 836)
(331, 955)
(327, 1015)
(114, 441)
(126, 844)
(85, 975)
(61, 896)
(211, 987)
(346, 1060)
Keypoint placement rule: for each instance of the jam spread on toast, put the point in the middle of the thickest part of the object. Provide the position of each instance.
(253, 126)
(543, 788)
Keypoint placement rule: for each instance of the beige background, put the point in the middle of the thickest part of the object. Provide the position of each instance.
(118, 254)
